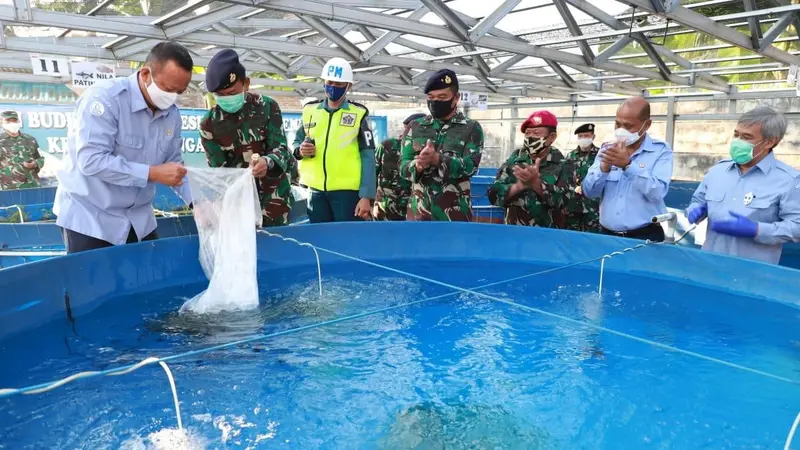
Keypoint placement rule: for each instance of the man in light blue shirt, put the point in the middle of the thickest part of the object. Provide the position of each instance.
(127, 137)
(631, 176)
(752, 200)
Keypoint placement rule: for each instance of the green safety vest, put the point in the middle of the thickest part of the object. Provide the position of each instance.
(337, 164)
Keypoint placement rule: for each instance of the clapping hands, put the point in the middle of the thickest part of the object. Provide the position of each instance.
(615, 155)
(427, 157)
(527, 175)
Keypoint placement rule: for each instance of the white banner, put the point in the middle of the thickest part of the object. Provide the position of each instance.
(87, 73)
(792, 78)
(49, 65)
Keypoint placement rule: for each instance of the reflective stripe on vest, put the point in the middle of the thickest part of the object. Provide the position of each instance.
(337, 164)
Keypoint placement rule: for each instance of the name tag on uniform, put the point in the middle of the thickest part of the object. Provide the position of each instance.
(348, 120)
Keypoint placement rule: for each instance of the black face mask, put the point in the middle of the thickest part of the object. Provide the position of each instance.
(440, 108)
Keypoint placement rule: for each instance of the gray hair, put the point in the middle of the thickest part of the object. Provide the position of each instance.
(773, 124)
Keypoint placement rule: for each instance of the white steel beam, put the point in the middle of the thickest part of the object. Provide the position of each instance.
(499, 69)
(488, 22)
(390, 36)
(705, 25)
(100, 7)
(775, 31)
(22, 10)
(613, 49)
(752, 23)
(302, 61)
(180, 12)
(332, 35)
(574, 29)
(79, 22)
(205, 21)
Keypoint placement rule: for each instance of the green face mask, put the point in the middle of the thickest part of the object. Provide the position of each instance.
(230, 103)
(742, 151)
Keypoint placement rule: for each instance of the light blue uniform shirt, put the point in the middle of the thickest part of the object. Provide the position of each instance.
(102, 188)
(630, 198)
(769, 194)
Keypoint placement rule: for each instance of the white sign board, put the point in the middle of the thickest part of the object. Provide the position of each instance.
(49, 65)
(475, 100)
(87, 73)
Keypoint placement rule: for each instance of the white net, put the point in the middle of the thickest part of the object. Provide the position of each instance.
(227, 212)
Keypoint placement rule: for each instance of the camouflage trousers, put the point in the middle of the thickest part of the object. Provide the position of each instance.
(445, 207)
(389, 207)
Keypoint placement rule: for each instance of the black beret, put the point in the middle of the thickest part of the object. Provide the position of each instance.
(585, 128)
(442, 79)
(224, 70)
(412, 118)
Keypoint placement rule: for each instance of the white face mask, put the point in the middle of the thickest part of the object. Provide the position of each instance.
(584, 143)
(160, 98)
(12, 127)
(626, 136)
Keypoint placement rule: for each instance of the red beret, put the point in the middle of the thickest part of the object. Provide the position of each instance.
(539, 119)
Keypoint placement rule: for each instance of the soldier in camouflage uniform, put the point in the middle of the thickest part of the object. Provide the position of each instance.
(440, 154)
(533, 185)
(243, 124)
(391, 201)
(20, 160)
(583, 213)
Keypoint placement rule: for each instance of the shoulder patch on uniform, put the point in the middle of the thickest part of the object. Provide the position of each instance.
(359, 105)
(110, 87)
(97, 108)
(789, 170)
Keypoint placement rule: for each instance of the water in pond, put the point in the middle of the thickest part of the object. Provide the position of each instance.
(456, 372)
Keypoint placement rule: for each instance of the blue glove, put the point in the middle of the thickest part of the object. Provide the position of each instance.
(740, 227)
(697, 214)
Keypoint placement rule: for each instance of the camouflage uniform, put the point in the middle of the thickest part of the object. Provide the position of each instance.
(583, 213)
(14, 152)
(527, 208)
(391, 200)
(443, 192)
(257, 128)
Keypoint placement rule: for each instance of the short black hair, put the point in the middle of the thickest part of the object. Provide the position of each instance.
(167, 51)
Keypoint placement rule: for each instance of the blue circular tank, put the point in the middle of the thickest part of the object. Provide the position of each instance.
(425, 335)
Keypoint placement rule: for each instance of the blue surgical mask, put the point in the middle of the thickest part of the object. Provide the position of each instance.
(335, 93)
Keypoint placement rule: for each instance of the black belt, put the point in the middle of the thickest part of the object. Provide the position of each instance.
(644, 231)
